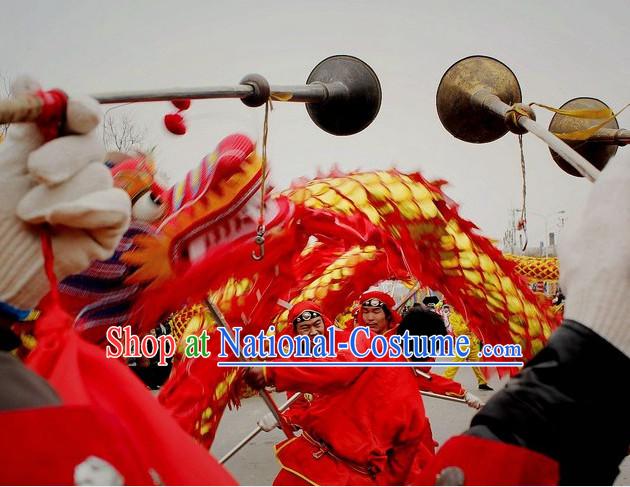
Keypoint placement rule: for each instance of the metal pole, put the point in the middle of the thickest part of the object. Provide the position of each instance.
(238, 91)
(409, 295)
(255, 432)
(266, 397)
(483, 98)
(441, 396)
(311, 93)
(611, 136)
(291, 400)
(240, 445)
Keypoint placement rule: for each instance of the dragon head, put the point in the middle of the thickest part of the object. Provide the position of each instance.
(212, 208)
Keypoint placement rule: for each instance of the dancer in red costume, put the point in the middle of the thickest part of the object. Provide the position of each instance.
(354, 432)
(307, 318)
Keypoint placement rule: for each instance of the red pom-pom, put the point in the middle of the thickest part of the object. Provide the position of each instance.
(174, 123)
(52, 112)
(181, 104)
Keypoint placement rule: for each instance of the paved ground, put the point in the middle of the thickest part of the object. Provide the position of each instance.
(255, 464)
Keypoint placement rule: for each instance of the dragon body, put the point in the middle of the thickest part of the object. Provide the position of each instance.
(326, 239)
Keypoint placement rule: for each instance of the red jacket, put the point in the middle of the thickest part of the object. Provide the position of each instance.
(439, 384)
(293, 415)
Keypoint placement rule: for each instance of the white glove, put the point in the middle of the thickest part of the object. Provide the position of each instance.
(63, 183)
(473, 401)
(268, 422)
(595, 258)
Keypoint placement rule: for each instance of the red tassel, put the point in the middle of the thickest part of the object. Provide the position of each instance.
(181, 104)
(52, 112)
(174, 123)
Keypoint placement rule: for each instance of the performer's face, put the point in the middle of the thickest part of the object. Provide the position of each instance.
(375, 318)
(312, 327)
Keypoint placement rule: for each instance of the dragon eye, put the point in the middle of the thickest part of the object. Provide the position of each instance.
(146, 209)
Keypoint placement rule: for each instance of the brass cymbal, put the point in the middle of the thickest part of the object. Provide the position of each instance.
(458, 114)
(597, 153)
(352, 108)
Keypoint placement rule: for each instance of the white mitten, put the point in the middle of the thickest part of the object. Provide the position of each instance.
(473, 401)
(268, 422)
(63, 183)
(595, 258)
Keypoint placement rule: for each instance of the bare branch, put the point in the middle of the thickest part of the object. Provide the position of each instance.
(5, 91)
(122, 135)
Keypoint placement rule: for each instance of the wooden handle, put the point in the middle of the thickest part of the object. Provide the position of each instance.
(25, 108)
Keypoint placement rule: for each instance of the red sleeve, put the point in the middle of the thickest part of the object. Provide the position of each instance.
(312, 379)
(440, 385)
(295, 412)
(407, 461)
(318, 379)
(413, 450)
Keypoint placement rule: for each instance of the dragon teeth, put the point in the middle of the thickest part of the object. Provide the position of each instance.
(197, 248)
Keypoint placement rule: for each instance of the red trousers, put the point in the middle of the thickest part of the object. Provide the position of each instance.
(285, 477)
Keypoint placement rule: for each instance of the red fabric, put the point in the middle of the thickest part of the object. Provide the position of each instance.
(386, 299)
(358, 412)
(174, 123)
(439, 384)
(294, 414)
(192, 284)
(84, 378)
(297, 459)
(488, 462)
(157, 190)
(302, 306)
(300, 407)
(181, 104)
(285, 477)
(52, 112)
(192, 390)
(43, 446)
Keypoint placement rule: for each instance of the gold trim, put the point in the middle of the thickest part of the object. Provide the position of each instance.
(290, 470)
(453, 394)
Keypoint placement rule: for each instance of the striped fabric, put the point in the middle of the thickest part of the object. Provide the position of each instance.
(99, 297)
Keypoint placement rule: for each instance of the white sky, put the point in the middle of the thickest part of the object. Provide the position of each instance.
(558, 50)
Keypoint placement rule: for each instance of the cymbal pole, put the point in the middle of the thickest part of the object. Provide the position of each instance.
(238, 91)
(313, 93)
(581, 165)
(255, 432)
(264, 394)
(611, 136)
(442, 396)
(487, 100)
(342, 96)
